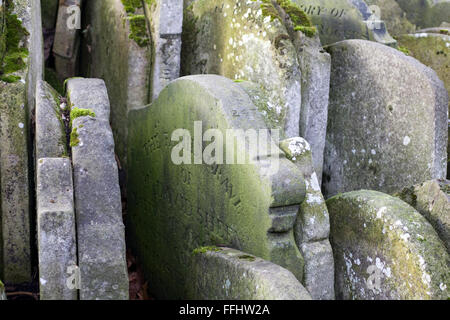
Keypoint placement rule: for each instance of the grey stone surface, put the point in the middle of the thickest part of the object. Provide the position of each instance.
(432, 200)
(89, 94)
(312, 226)
(228, 274)
(57, 245)
(338, 20)
(121, 62)
(166, 20)
(16, 102)
(178, 208)
(235, 39)
(50, 130)
(67, 40)
(387, 125)
(384, 249)
(100, 230)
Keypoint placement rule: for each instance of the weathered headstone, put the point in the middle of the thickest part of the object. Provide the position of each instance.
(57, 245)
(229, 274)
(260, 41)
(117, 48)
(100, 230)
(345, 19)
(165, 18)
(178, 208)
(432, 200)
(20, 68)
(50, 133)
(312, 227)
(387, 125)
(384, 249)
(66, 46)
(392, 14)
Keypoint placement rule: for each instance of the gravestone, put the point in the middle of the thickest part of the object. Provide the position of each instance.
(100, 229)
(384, 249)
(345, 19)
(312, 227)
(387, 125)
(432, 200)
(165, 18)
(50, 132)
(178, 208)
(57, 247)
(393, 15)
(229, 274)
(117, 48)
(257, 41)
(66, 46)
(20, 68)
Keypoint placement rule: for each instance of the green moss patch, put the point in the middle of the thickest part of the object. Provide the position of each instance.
(78, 112)
(74, 139)
(12, 49)
(138, 28)
(206, 249)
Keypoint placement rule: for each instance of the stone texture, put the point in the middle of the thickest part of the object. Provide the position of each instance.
(432, 200)
(49, 10)
(387, 125)
(50, 130)
(17, 92)
(178, 208)
(229, 274)
(236, 40)
(100, 230)
(165, 18)
(384, 249)
(345, 19)
(56, 228)
(312, 227)
(66, 46)
(120, 61)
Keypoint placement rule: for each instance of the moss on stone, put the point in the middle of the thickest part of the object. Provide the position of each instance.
(308, 31)
(138, 30)
(247, 257)
(206, 249)
(74, 139)
(79, 112)
(131, 5)
(404, 50)
(13, 51)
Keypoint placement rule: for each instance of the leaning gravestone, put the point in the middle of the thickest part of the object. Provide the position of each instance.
(20, 68)
(100, 229)
(384, 249)
(432, 200)
(259, 41)
(345, 19)
(179, 207)
(229, 274)
(387, 124)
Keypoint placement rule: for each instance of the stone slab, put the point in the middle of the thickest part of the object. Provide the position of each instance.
(100, 229)
(384, 249)
(229, 274)
(387, 126)
(57, 245)
(178, 208)
(50, 135)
